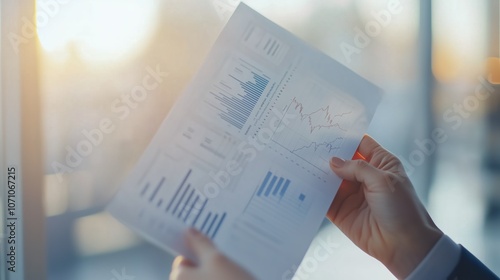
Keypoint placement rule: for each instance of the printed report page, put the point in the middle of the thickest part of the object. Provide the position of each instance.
(244, 154)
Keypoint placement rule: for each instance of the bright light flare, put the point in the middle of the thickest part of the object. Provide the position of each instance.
(98, 30)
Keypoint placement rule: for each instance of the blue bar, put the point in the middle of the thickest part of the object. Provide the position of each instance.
(235, 117)
(283, 190)
(255, 91)
(157, 189)
(278, 186)
(251, 100)
(235, 78)
(264, 183)
(199, 213)
(260, 79)
(218, 226)
(251, 96)
(271, 185)
(247, 98)
(206, 220)
(211, 224)
(160, 201)
(239, 105)
(191, 208)
(237, 102)
(182, 198)
(236, 113)
(230, 114)
(261, 85)
(185, 204)
(248, 101)
(178, 190)
(230, 121)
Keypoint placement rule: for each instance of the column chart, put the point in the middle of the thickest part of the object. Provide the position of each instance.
(237, 91)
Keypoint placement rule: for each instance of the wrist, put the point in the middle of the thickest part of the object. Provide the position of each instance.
(411, 249)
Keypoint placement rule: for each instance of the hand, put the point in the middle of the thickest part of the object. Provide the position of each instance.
(212, 264)
(378, 209)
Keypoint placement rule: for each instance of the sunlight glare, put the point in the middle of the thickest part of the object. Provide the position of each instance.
(98, 30)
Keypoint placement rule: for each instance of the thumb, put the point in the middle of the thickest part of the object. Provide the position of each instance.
(360, 171)
(201, 246)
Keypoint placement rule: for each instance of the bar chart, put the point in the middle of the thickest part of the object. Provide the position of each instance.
(237, 91)
(184, 204)
(277, 206)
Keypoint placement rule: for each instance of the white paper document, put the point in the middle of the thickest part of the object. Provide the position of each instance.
(244, 154)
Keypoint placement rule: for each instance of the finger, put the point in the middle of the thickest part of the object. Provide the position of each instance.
(359, 171)
(180, 261)
(201, 246)
(183, 272)
(358, 155)
(367, 147)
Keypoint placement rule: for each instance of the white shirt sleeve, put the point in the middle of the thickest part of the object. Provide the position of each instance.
(439, 262)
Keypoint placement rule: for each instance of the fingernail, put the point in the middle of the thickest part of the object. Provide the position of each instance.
(337, 162)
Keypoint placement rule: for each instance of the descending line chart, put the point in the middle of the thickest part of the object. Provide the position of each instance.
(317, 128)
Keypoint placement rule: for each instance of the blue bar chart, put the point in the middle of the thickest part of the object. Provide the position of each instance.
(236, 93)
(184, 204)
(277, 206)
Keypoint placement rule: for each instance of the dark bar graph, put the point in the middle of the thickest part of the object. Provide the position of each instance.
(284, 205)
(285, 187)
(199, 213)
(236, 104)
(181, 198)
(264, 183)
(186, 205)
(218, 225)
(191, 208)
(178, 190)
(271, 185)
(212, 223)
(153, 195)
(205, 222)
(280, 182)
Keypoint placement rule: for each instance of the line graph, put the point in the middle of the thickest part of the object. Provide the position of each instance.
(318, 127)
(320, 118)
(330, 146)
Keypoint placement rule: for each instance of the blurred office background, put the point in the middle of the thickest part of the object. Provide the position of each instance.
(430, 57)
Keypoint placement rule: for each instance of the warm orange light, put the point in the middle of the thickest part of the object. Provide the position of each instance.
(493, 66)
(96, 30)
